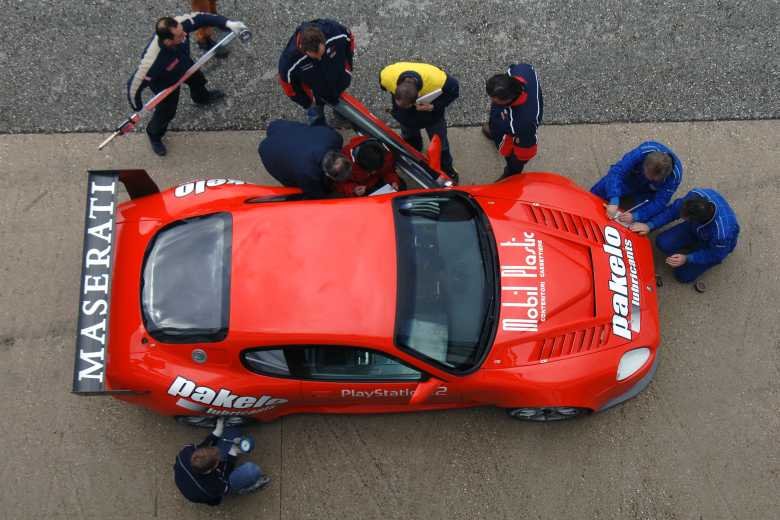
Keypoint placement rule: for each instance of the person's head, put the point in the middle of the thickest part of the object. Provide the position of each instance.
(205, 460)
(697, 210)
(657, 166)
(370, 155)
(169, 31)
(503, 89)
(406, 93)
(335, 166)
(311, 41)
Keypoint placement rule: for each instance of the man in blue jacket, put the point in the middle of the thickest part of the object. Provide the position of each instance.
(164, 61)
(305, 157)
(648, 175)
(516, 111)
(207, 472)
(709, 232)
(316, 66)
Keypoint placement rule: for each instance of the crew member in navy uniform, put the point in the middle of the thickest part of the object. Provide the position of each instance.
(207, 472)
(648, 175)
(515, 114)
(420, 93)
(706, 236)
(305, 157)
(164, 61)
(316, 66)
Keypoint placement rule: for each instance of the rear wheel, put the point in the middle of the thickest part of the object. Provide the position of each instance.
(552, 413)
(210, 421)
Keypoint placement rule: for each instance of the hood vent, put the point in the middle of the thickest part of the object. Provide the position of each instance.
(571, 343)
(584, 228)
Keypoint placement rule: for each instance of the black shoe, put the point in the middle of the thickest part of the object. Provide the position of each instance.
(214, 96)
(454, 175)
(158, 147)
(206, 46)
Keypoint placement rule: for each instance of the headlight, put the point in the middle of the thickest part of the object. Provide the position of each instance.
(632, 361)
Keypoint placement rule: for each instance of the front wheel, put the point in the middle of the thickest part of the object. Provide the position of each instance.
(552, 413)
(209, 421)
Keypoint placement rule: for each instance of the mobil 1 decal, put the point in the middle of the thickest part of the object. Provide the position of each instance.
(523, 288)
(623, 283)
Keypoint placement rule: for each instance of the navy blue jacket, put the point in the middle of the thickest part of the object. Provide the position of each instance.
(306, 80)
(514, 127)
(163, 66)
(292, 153)
(718, 236)
(626, 178)
(204, 489)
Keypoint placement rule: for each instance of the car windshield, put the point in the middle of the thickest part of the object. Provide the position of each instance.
(185, 288)
(446, 279)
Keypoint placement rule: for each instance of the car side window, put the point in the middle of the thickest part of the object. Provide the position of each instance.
(329, 363)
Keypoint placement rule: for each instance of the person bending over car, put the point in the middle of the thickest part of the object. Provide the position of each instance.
(705, 238)
(206, 473)
(648, 175)
(305, 157)
(372, 163)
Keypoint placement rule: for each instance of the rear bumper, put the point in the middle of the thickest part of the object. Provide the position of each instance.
(635, 390)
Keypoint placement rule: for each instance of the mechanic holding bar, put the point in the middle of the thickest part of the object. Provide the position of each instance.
(205, 473)
(165, 61)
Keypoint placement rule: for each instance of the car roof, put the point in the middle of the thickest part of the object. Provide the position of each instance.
(314, 271)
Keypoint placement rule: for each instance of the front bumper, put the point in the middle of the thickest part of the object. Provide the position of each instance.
(634, 390)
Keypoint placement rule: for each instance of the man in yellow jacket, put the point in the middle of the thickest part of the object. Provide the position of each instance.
(420, 93)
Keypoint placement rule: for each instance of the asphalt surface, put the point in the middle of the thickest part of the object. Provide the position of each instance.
(65, 64)
(701, 443)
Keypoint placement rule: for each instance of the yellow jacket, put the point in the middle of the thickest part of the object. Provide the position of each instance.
(433, 78)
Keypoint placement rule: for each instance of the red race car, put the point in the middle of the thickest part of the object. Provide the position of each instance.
(225, 298)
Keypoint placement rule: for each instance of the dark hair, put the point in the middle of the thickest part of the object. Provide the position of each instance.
(406, 91)
(697, 210)
(163, 28)
(370, 155)
(204, 460)
(504, 87)
(310, 38)
(336, 166)
(658, 165)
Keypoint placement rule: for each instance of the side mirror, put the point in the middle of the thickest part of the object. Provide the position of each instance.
(425, 389)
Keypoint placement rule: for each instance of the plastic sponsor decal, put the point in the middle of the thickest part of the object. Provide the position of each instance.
(623, 284)
(523, 287)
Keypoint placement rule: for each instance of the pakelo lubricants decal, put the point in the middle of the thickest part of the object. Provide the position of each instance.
(523, 288)
(203, 399)
(625, 302)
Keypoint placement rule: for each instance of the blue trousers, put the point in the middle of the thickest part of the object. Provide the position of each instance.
(682, 238)
(413, 136)
(245, 477)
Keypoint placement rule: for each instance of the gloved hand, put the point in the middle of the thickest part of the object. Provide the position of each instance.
(235, 449)
(219, 428)
(236, 26)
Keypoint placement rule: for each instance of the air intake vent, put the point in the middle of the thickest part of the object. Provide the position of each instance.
(582, 227)
(571, 343)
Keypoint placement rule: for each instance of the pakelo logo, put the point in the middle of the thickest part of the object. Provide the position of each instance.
(623, 307)
(203, 399)
(198, 187)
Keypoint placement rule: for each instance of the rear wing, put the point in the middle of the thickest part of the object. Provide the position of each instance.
(414, 164)
(89, 369)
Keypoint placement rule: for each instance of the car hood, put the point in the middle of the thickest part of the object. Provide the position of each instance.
(556, 283)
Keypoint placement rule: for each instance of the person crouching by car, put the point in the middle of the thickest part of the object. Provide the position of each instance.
(372, 167)
(207, 472)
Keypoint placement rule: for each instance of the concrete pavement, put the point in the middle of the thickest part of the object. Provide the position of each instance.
(701, 442)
